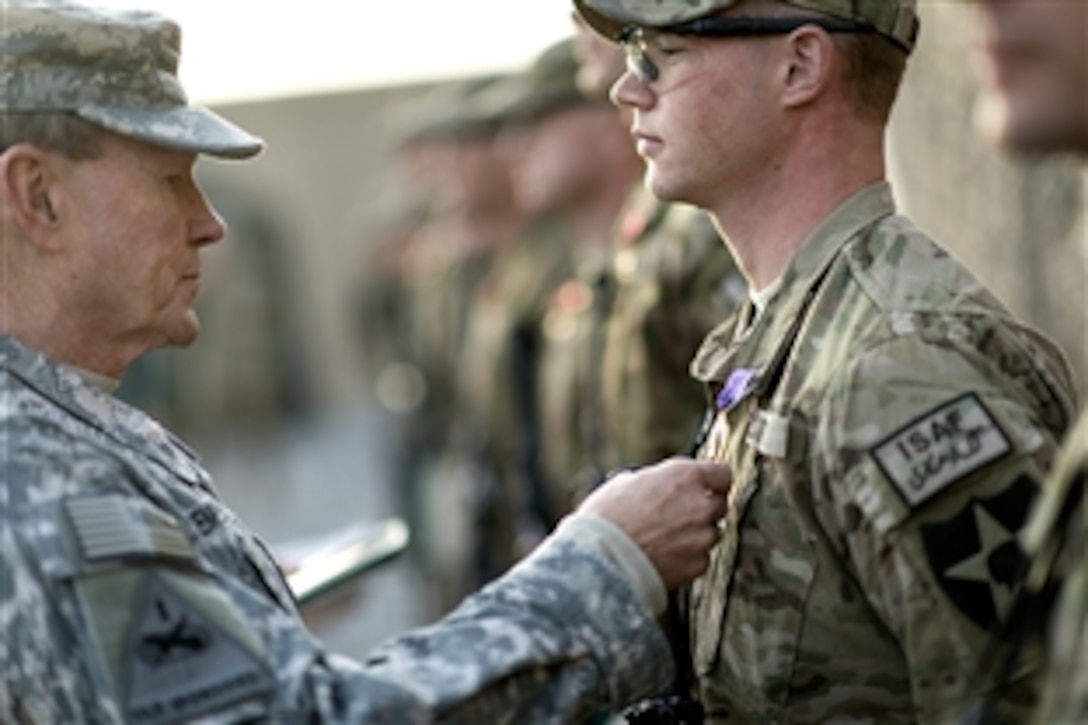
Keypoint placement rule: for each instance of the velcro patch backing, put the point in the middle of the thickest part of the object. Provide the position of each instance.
(109, 526)
(941, 447)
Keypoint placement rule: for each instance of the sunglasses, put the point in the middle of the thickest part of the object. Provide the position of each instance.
(634, 38)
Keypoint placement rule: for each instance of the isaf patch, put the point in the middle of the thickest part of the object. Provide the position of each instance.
(976, 554)
(943, 446)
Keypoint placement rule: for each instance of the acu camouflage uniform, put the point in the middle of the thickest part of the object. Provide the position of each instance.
(130, 593)
(887, 422)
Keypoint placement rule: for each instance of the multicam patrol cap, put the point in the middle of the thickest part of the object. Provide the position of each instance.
(447, 113)
(896, 20)
(548, 84)
(114, 68)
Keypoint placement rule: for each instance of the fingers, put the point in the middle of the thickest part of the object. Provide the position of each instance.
(715, 477)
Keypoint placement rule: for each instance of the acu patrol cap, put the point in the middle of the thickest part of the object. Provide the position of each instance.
(896, 20)
(114, 68)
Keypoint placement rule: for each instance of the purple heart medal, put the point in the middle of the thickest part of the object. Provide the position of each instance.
(740, 383)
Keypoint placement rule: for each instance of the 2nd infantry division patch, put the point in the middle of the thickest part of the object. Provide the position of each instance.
(943, 446)
(976, 554)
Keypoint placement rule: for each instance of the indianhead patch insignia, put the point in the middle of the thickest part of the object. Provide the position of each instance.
(976, 554)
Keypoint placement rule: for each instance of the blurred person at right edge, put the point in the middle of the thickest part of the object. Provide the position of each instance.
(887, 420)
(1034, 71)
(667, 281)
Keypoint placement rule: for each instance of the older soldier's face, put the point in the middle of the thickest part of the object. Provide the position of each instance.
(1033, 62)
(137, 224)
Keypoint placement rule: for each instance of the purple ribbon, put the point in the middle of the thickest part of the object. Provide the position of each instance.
(739, 384)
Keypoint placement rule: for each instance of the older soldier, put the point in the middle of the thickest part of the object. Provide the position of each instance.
(886, 419)
(1035, 82)
(128, 591)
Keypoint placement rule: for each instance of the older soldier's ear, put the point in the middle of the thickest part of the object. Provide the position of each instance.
(27, 193)
(808, 63)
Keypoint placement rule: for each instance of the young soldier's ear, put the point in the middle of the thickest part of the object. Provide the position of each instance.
(809, 59)
(25, 185)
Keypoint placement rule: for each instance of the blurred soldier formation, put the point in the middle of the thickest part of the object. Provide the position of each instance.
(1035, 101)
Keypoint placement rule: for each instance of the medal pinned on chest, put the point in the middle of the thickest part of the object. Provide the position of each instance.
(738, 386)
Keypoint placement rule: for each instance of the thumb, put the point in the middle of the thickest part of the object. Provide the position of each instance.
(715, 477)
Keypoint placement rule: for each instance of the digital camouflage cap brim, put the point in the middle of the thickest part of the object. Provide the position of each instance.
(895, 19)
(114, 68)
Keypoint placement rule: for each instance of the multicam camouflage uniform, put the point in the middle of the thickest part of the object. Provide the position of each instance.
(129, 593)
(674, 281)
(1057, 538)
(618, 340)
(887, 422)
(569, 363)
(498, 377)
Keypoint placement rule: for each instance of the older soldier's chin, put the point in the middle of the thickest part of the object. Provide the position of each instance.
(186, 332)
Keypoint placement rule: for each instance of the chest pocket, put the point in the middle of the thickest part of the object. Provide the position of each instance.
(750, 613)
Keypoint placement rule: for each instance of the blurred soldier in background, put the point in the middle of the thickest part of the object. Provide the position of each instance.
(578, 163)
(540, 108)
(1034, 71)
(452, 165)
(887, 420)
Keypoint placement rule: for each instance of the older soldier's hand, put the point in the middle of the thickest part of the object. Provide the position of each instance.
(671, 510)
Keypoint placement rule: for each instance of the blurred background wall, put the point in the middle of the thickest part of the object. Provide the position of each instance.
(1019, 224)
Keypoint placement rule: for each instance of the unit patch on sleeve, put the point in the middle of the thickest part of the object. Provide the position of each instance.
(182, 662)
(943, 446)
(976, 556)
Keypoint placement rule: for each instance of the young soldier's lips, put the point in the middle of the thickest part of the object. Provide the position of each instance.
(647, 145)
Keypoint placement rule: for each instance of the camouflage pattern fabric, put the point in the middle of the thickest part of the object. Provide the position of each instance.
(887, 422)
(618, 338)
(114, 68)
(674, 281)
(1059, 527)
(498, 382)
(569, 363)
(895, 19)
(130, 593)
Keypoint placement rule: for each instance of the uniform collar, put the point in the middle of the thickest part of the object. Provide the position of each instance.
(727, 348)
(68, 389)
